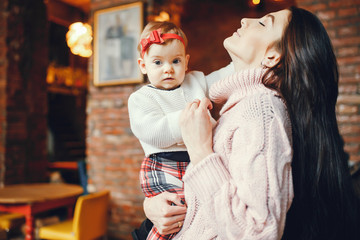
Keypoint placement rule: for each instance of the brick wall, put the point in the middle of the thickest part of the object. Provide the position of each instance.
(114, 154)
(114, 157)
(342, 21)
(23, 108)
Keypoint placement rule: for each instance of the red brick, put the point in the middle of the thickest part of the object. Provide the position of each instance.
(348, 119)
(349, 79)
(338, 4)
(355, 158)
(346, 41)
(347, 51)
(352, 148)
(350, 99)
(350, 129)
(348, 60)
(352, 139)
(348, 88)
(316, 7)
(348, 31)
(352, 20)
(345, 12)
(326, 14)
(346, 109)
(305, 3)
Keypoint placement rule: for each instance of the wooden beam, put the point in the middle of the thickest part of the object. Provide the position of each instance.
(64, 14)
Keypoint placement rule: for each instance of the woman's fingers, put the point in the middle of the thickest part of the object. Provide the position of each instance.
(194, 104)
(196, 101)
(175, 203)
(205, 103)
(172, 225)
(196, 129)
(191, 107)
(161, 211)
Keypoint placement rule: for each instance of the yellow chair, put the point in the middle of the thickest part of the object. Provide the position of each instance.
(11, 220)
(89, 221)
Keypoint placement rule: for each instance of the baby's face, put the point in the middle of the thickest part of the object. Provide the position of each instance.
(165, 65)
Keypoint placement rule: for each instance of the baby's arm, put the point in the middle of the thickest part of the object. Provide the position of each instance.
(150, 124)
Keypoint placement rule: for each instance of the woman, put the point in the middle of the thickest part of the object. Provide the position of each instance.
(283, 150)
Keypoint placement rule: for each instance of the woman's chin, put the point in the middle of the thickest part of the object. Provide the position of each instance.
(226, 42)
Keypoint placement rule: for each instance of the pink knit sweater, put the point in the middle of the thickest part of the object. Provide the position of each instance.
(244, 189)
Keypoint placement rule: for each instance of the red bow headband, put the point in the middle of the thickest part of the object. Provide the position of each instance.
(157, 38)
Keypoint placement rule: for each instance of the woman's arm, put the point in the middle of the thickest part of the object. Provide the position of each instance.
(163, 214)
(248, 200)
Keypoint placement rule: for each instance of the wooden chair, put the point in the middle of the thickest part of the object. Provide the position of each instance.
(89, 221)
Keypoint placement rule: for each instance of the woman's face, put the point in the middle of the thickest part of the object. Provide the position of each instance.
(251, 43)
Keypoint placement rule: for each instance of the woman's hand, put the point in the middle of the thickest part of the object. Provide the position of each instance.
(166, 217)
(196, 129)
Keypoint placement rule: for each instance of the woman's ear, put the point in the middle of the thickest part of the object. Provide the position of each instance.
(271, 58)
(141, 64)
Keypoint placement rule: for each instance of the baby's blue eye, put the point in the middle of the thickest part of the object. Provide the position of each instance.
(176, 61)
(262, 24)
(157, 62)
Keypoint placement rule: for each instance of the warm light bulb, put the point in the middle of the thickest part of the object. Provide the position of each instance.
(162, 17)
(255, 2)
(79, 39)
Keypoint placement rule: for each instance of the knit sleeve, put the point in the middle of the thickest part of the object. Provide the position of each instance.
(219, 74)
(151, 125)
(248, 195)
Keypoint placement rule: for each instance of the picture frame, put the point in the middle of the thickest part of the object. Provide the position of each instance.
(116, 35)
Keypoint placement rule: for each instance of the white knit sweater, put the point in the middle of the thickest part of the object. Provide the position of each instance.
(154, 113)
(244, 189)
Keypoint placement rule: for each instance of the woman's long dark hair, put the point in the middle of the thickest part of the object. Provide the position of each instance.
(324, 205)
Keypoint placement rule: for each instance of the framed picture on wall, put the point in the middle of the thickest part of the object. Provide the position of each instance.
(116, 35)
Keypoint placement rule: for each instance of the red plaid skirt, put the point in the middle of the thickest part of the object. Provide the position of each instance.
(157, 175)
